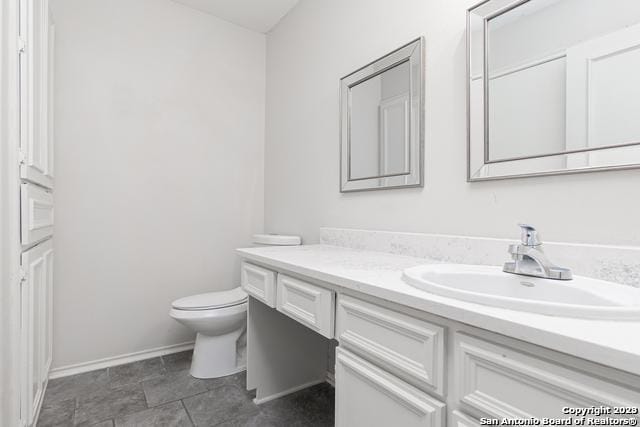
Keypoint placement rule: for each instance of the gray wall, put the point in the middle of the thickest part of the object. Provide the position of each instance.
(320, 41)
(159, 163)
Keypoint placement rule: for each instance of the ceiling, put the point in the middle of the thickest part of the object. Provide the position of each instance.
(256, 15)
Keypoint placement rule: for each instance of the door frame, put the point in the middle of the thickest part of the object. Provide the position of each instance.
(10, 272)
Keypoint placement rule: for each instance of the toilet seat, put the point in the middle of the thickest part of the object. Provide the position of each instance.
(211, 300)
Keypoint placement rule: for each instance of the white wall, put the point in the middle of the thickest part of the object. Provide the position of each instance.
(159, 163)
(320, 41)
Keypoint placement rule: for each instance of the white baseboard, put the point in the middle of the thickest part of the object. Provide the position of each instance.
(331, 379)
(64, 371)
(291, 390)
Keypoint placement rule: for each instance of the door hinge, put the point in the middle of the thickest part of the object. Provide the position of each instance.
(22, 45)
(22, 276)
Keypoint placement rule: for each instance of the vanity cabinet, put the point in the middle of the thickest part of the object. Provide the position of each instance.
(311, 305)
(458, 419)
(259, 282)
(497, 381)
(411, 348)
(396, 365)
(367, 395)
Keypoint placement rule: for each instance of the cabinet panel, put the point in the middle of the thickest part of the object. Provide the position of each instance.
(368, 396)
(259, 283)
(36, 214)
(409, 347)
(36, 130)
(311, 305)
(458, 419)
(35, 326)
(499, 382)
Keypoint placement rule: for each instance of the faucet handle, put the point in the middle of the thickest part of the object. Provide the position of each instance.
(529, 235)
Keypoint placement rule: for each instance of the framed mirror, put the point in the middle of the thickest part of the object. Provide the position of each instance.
(553, 87)
(382, 122)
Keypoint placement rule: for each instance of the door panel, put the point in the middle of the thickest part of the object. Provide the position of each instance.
(36, 133)
(311, 305)
(36, 214)
(35, 328)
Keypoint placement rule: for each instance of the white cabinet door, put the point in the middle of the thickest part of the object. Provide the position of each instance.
(369, 396)
(35, 326)
(36, 130)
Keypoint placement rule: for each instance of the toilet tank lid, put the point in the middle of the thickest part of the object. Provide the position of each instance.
(276, 239)
(211, 300)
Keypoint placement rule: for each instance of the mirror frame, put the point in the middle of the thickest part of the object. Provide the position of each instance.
(479, 167)
(412, 52)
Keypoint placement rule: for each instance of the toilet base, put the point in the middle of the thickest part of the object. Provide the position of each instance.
(215, 356)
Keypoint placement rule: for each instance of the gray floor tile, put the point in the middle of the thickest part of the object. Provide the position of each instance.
(219, 405)
(313, 406)
(77, 385)
(172, 386)
(135, 372)
(57, 414)
(110, 403)
(168, 415)
(239, 380)
(254, 420)
(99, 397)
(178, 361)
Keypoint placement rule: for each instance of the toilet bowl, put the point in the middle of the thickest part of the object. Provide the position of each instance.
(219, 319)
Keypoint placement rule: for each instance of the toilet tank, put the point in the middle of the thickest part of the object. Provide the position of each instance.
(276, 240)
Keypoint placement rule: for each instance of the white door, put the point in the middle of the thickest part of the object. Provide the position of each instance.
(368, 396)
(36, 131)
(35, 326)
(603, 98)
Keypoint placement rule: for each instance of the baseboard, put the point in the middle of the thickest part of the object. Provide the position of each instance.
(331, 379)
(79, 368)
(289, 391)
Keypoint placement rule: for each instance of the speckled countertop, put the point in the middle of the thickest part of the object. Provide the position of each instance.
(379, 274)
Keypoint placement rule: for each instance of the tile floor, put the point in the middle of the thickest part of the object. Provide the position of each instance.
(160, 392)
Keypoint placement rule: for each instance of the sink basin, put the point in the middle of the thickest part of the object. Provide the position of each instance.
(581, 297)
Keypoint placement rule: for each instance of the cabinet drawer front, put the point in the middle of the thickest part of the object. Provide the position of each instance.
(259, 283)
(369, 396)
(309, 304)
(36, 211)
(497, 382)
(458, 419)
(404, 345)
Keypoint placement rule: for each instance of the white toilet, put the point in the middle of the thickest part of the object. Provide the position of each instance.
(219, 318)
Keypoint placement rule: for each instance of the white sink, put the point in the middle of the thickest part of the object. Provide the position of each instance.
(581, 297)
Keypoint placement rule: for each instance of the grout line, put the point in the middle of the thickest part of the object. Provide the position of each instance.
(187, 412)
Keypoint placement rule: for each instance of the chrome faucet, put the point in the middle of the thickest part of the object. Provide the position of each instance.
(529, 260)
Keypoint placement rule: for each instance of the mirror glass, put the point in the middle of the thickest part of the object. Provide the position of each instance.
(554, 87)
(381, 122)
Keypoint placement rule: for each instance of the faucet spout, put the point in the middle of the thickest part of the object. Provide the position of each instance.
(530, 260)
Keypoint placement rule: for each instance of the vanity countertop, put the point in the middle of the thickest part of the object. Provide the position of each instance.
(379, 274)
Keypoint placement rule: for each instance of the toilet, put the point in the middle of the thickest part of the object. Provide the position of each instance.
(220, 319)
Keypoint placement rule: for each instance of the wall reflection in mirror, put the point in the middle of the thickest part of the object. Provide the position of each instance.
(554, 87)
(381, 122)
